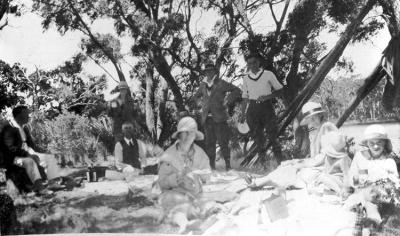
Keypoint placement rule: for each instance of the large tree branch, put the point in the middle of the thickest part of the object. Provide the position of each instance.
(4, 6)
(274, 49)
(96, 41)
(391, 8)
(163, 69)
(189, 35)
(246, 22)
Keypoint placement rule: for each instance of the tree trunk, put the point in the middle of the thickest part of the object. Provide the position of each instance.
(149, 102)
(291, 78)
(391, 8)
(162, 108)
(164, 70)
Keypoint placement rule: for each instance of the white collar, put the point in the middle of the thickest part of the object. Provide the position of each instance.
(15, 124)
(128, 140)
(212, 81)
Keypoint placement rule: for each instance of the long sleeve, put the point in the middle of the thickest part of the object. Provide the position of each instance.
(13, 144)
(203, 162)
(346, 162)
(197, 95)
(167, 176)
(245, 89)
(118, 153)
(235, 92)
(354, 168)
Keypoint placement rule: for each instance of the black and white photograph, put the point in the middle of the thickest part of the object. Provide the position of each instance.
(200, 117)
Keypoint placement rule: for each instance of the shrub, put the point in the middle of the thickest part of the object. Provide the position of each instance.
(73, 137)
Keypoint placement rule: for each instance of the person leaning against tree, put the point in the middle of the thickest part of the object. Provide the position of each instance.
(215, 103)
(259, 88)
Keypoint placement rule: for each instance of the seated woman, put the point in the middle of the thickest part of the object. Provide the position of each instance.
(184, 160)
(313, 116)
(372, 163)
(333, 174)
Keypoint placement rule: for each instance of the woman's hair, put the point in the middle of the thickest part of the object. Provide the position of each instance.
(387, 147)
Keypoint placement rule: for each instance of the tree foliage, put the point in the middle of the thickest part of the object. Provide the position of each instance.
(171, 50)
(336, 94)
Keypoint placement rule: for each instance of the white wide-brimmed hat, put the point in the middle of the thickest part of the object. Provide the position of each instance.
(187, 123)
(309, 109)
(376, 132)
(333, 144)
(243, 128)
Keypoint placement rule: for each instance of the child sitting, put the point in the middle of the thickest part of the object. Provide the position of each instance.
(372, 163)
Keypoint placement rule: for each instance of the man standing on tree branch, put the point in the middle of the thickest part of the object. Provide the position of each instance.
(259, 88)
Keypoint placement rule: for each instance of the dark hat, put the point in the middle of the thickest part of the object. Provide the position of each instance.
(252, 55)
(209, 66)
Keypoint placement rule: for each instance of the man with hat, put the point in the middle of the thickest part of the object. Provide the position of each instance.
(259, 88)
(215, 103)
(121, 109)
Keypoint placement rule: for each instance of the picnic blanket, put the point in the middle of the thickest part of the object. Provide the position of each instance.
(121, 206)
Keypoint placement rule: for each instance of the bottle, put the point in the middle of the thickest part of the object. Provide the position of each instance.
(3, 180)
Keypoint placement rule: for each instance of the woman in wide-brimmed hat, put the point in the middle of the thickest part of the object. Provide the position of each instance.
(183, 158)
(372, 162)
(313, 116)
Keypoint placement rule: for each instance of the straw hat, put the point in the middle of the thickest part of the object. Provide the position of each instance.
(123, 85)
(309, 109)
(243, 128)
(376, 132)
(333, 144)
(188, 124)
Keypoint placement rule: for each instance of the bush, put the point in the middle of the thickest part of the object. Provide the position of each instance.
(73, 137)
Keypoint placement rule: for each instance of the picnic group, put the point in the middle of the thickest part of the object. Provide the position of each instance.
(186, 165)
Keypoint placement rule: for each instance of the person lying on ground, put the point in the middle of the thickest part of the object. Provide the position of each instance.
(372, 162)
(130, 153)
(333, 161)
(183, 162)
(19, 149)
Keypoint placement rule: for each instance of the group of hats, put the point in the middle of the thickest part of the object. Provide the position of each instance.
(333, 143)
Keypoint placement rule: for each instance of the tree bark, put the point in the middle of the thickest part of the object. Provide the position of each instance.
(149, 103)
(291, 78)
(162, 108)
(163, 68)
(391, 8)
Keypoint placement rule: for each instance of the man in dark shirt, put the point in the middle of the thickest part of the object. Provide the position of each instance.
(130, 153)
(19, 149)
(213, 92)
